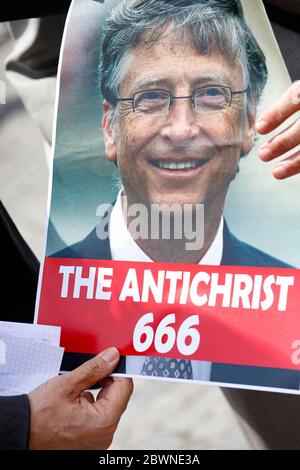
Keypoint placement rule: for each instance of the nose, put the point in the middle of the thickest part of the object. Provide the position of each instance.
(181, 125)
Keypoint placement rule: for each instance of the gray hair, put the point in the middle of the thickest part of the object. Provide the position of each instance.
(209, 24)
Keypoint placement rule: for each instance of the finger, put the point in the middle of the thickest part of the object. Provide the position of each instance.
(105, 383)
(288, 167)
(281, 143)
(108, 382)
(91, 371)
(287, 105)
(88, 396)
(114, 396)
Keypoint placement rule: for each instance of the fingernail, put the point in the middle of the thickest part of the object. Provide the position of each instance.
(261, 124)
(279, 171)
(110, 355)
(296, 92)
(265, 153)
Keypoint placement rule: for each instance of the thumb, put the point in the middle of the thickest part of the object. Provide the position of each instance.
(89, 373)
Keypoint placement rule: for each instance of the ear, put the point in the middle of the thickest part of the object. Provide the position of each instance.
(109, 135)
(249, 129)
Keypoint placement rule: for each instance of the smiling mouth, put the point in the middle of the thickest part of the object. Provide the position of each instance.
(175, 165)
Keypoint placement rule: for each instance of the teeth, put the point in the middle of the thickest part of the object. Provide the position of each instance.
(177, 166)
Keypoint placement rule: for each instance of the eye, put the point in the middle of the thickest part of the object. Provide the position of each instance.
(151, 100)
(212, 98)
(213, 91)
(151, 95)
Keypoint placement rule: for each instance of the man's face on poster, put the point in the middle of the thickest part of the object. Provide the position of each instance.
(184, 156)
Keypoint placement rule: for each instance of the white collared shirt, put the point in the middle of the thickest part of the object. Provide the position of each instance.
(124, 248)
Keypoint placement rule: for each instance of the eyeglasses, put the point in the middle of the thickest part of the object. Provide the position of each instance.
(207, 99)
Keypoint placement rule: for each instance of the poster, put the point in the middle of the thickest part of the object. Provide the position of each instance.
(167, 237)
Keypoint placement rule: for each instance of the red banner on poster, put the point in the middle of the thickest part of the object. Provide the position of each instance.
(233, 315)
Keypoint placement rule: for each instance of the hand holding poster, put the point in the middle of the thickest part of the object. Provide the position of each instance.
(161, 275)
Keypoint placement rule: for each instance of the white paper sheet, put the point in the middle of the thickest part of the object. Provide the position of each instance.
(49, 334)
(28, 361)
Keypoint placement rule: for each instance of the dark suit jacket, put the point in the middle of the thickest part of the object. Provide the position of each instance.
(235, 253)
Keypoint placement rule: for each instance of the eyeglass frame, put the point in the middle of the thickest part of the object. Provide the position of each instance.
(191, 97)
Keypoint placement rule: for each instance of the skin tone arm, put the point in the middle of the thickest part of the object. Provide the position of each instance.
(65, 416)
(286, 140)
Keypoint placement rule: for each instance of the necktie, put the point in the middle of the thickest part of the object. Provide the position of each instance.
(167, 367)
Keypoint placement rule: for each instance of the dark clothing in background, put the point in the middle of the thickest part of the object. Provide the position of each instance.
(21, 9)
(286, 27)
(21, 273)
(14, 422)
